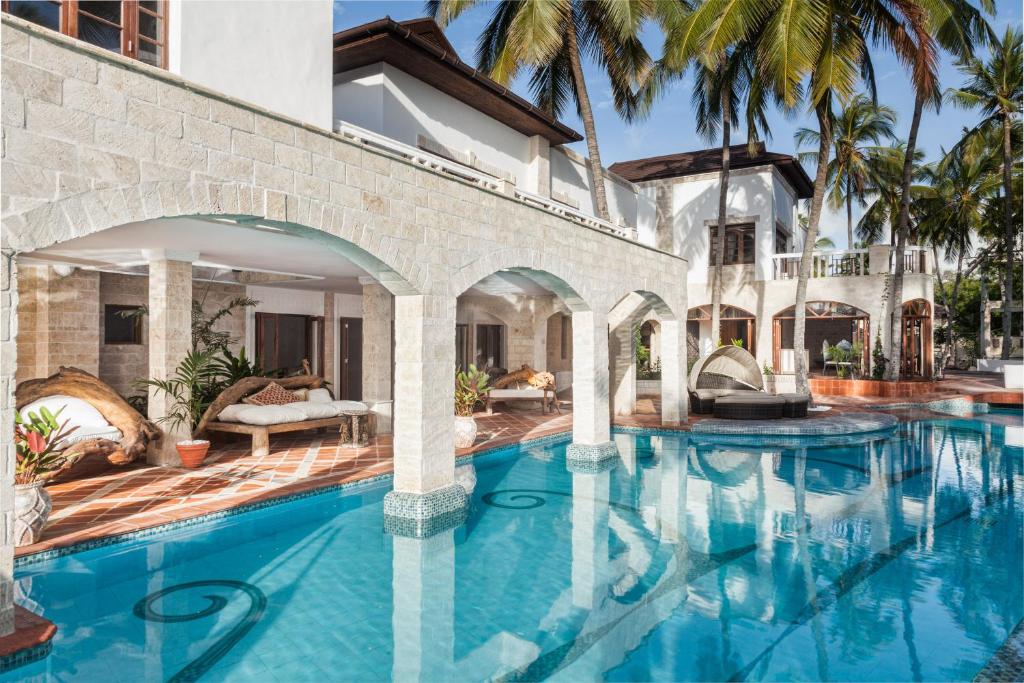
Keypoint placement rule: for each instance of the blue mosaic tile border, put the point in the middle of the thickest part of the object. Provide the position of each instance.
(139, 534)
(958, 407)
(1007, 664)
(579, 453)
(843, 424)
(26, 656)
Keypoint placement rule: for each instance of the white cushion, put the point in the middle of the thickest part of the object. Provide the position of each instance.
(87, 433)
(349, 405)
(319, 396)
(270, 415)
(517, 393)
(77, 412)
(231, 413)
(315, 411)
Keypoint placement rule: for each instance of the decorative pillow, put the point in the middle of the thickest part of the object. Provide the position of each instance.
(301, 394)
(319, 396)
(77, 412)
(271, 395)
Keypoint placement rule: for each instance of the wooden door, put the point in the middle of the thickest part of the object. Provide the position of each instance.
(351, 359)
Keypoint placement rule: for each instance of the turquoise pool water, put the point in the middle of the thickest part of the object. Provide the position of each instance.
(894, 557)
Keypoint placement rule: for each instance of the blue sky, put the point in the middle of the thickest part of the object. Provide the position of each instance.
(670, 127)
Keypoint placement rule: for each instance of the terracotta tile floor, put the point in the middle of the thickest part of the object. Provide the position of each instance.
(103, 500)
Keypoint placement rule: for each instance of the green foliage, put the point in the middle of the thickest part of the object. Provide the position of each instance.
(198, 380)
(35, 438)
(204, 336)
(470, 389)
(768, 370)
(878, 359)
(645, 369)
(737, 343)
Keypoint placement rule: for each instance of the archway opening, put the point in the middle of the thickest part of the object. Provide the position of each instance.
(828, 324)
(516, 326)
(916, 356)
(736, 326)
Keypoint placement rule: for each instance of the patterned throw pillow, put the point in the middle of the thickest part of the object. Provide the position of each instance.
(271, 395)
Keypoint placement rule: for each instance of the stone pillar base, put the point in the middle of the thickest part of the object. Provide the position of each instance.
(420, 515)
(584, 457)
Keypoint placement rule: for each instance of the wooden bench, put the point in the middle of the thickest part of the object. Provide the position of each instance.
(547, 398)
(261, 433)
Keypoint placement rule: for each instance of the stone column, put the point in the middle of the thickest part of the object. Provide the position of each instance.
(330, 341)
(622, 354)
(425, 498)
(538, 172)
(8, 363)
(591, 419)
(672, 501)
(170, 340)
(589, 538)
(673, 372)
(378, 322)
(423, 607)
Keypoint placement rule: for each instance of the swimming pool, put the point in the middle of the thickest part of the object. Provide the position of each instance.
(894, 556)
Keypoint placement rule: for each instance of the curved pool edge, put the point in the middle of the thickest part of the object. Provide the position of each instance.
(47, 554)
(840, 424)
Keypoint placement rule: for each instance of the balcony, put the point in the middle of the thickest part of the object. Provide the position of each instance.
(876, 260)
(478, 177)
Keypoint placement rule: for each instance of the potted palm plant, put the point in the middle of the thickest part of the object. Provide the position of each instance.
(470, 389)
(192, 387)
(36, 437)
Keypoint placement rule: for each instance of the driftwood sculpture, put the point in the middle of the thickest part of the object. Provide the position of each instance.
(527, 375)
(250, 385)
(137, 432)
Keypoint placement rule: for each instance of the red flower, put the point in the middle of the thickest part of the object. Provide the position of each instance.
(36, 442)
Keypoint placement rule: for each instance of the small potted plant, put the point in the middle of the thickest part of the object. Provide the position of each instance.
(470, 389)
(36, 436)
(189, 389)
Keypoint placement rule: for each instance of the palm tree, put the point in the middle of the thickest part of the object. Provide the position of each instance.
(952, 209)
(550, 38)
(883, 212)
(718, 91)
(850, 171)
(955, 25)
(995, 88)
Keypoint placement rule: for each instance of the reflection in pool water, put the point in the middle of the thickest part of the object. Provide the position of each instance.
(892, 557)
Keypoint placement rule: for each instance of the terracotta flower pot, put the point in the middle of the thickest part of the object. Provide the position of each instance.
(465, 431)
(192, 453)
(32, 507)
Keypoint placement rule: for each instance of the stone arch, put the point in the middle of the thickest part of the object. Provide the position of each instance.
(96, 210)
(543, 269)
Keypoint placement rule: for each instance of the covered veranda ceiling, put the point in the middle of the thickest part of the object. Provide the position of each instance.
(249, 253)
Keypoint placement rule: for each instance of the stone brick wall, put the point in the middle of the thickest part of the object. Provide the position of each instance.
(555, 323)
(58, 317)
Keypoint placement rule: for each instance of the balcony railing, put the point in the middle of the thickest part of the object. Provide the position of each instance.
(915, 260)
(879, 259)
(484, 180)
(839, 263)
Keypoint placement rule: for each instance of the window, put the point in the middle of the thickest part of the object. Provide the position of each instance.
(462, 346)
(489, 346)
(739, 244)
(122, 324)
(781, 240)
(285, 340)
(134, 28)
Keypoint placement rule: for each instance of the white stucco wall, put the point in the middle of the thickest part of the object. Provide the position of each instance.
(695, 204)
(358, 97)
(274, 54)
(570, 177)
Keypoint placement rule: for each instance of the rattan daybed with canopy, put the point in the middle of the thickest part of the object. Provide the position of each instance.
(730, 374)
